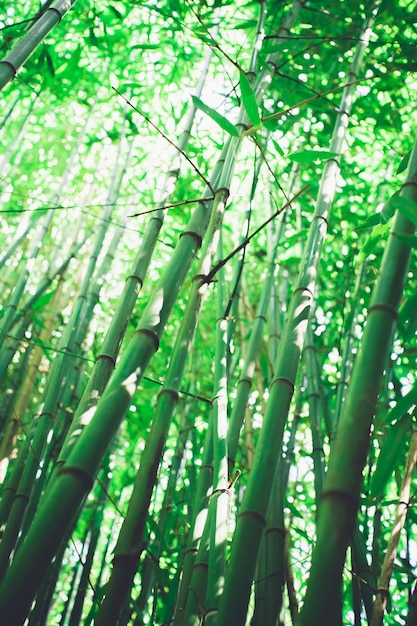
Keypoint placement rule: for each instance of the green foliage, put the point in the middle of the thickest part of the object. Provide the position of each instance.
(222, 121)
(249, 100)
(152, 53)
(392, 454)
(377, 236)
(311, 156)
(404, 162)
(43, 301)
(407, 208)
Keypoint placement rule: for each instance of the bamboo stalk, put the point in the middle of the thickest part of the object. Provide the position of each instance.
(197, 526)
(13, 61)
(251, 517)
(219, 500)
(106, 360)
(53, 390)
(339, 505)
(315, 418)
(130, 542)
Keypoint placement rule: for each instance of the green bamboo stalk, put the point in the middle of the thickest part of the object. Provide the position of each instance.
(275, 316)
(412, 609)
(232, 307)
(356, 600)
(98, 587)
(16, 139)
(85, 459)
(269, 604)
(314, 401)
(24, 312)
(245, 380)
(251, 517)
(11, 484)
(233, 302)
(275, 537)
(197, 526)
(10, 110)
(9, 316)
(130, 542)
(363, 573)
(151, 562)
(347, 357)
(195, 603)
(75, 577)
(39, 613)
(103, 269)
(21, 280)
(17, 244)
(376, 541)
(53, 390)
(57, 433)
(187, 585)
(74, 480)
(220, 497)
(106, 360)
(259, 610)
(340, 498)
(77, 608)
(13, 419)
(72, 337)
(273, 555)
(350, 330)
(40, 12)
(279, 291)
(13, 61)
(244, 385)
(292, 596)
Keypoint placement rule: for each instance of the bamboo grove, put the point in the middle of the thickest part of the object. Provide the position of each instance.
(208, 313)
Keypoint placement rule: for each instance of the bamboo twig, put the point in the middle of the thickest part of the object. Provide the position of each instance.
(382, 592)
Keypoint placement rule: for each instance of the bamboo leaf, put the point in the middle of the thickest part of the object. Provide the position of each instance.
(407, 309)
(249, 100)
(404, 162)
(38, 321)
(393, 447)
(372, 220)
(383, 216)
(272, 47)
(43, 301)
(248, 24)
(278, 148)
(371, 243)
(11, 31)
(203, 37)
(294, 511)
(271, 125)
(404, 404)
(406, 207)
(407, 317)
(311, 156)
(45, 57)
(145, 46)
(404, 569)
(116, 12)
(222, 121)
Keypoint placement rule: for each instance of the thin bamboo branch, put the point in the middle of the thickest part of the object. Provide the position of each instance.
(382, 592)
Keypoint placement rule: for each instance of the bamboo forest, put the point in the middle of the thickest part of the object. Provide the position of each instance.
(208, 327)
